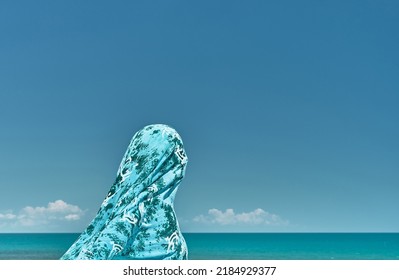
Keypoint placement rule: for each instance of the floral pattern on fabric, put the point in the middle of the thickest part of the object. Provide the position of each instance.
(137, 219)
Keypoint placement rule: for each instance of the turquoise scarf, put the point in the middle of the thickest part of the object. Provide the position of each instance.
(137, 219)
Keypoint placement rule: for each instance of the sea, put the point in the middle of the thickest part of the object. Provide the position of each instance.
(230, 246)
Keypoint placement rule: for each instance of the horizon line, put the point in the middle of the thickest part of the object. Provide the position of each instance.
(235, 232)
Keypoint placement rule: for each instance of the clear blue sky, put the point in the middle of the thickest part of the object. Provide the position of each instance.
(288, 110)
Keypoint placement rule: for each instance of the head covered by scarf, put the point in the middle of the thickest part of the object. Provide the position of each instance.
(137, 219)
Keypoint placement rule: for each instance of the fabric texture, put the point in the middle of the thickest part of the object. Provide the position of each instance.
(137, 219)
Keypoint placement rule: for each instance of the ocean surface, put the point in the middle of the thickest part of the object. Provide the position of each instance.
(229, 246)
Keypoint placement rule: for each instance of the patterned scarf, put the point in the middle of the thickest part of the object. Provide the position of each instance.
(137, 219)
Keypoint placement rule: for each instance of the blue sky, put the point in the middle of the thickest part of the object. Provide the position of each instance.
(287, 109)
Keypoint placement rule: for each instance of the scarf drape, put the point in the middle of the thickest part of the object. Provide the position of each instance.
(137, 219)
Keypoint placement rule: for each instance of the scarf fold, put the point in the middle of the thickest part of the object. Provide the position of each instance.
(136, 219)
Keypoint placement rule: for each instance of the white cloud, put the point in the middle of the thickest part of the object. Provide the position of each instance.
(7, 216)
(30, 216)
(229, 217)
(72, 217)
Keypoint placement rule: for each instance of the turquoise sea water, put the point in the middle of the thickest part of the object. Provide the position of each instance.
(226, 246)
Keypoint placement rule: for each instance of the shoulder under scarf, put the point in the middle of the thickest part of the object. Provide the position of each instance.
(137, 219)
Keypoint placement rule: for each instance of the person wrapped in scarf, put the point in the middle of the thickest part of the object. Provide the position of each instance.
(137, 219)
